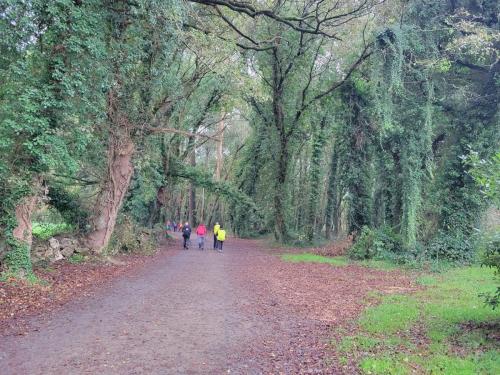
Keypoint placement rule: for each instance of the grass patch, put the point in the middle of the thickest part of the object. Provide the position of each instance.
(383, 365)
(338, 261)
(427, 280)
(76, 258)
(9, 276)
(442, 364)
(444, 329)
(396, 313)
(313, 258)
(44, 231)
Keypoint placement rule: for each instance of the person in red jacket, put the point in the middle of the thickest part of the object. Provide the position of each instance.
(201, 231)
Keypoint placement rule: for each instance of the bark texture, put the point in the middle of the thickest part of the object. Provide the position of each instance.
(110, 199)
(23, 213)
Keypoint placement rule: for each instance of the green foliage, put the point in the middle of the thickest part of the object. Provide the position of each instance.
(238, 199)
(454, 246)
(490, 257)
(128, 237)
(44, 231)
(411, 132)
(18, 260)
(69, 206)
(486, 173)
(376, 244)
(76, 258)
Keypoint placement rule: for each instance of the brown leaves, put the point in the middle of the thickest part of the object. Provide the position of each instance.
(59, 283)
(305, 303)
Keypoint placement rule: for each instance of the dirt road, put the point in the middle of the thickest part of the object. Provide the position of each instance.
(192, 312)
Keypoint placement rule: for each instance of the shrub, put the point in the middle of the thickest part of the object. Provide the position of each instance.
(363, 248)
(454, 246)
(490, 257)
(69, 207)
(128, 237)
(381, 243)
(44, 231)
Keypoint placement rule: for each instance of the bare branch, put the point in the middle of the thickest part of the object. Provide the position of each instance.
(155, 130)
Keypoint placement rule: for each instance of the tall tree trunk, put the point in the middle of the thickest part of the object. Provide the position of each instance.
(110, 198)
(192, 192)
(216, 212)
(331, 202)
(396, 192)
(24, 210)
(280, 228)
(220, 148)
(314, 179)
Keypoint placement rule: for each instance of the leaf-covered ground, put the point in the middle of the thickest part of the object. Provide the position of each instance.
(57, 284)
(243, 312)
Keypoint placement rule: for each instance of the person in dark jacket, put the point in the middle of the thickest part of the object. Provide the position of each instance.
(186, 234)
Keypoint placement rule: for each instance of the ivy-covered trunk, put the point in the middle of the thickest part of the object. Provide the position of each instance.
(280, 228)
(18, 260)
(192, 192)
(117, 178)
(283, 157)
(111, 196)
(331, 197)
(314, 179)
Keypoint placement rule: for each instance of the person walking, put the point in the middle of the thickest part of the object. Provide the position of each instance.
(186, 234)
(216, 229)
(201, 231)
(174, 225)
(221, 237)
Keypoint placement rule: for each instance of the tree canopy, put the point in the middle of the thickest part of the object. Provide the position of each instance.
(304, 119)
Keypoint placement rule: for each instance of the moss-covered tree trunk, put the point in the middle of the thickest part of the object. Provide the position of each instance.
(18, 259)
(314, 180)
(283, 155)
(192, 192)
(331, 197)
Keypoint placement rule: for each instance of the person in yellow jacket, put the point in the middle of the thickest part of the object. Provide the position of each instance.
(216, 230)
(221, 237)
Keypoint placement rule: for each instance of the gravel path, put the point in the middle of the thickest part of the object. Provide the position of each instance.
(192, 312)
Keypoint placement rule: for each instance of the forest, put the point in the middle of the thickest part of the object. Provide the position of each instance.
(370, 125)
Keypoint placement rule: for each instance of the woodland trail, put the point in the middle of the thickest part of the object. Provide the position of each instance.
(191, 312)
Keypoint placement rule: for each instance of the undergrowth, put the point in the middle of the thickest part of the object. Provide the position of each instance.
(44, 231)
(76, 258)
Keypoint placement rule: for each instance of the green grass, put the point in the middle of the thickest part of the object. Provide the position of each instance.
(394, 314)
(313, 258)
(427, 330)
(383, 365)
(44, 231)
(6, 276)
(76, 258)
(338, 261)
